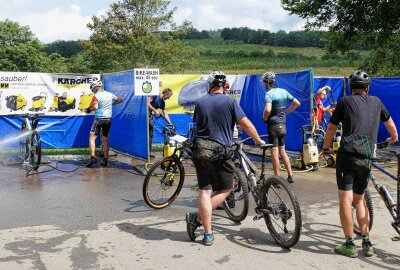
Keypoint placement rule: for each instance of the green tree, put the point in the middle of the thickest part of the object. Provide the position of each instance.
(360, 23)
(138, 33)
(66, 49)
(20, 50)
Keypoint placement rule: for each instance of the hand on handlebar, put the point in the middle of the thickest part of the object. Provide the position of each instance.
(390, 140)
(261, 142)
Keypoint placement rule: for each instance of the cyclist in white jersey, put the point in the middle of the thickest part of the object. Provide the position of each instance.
(102, 103)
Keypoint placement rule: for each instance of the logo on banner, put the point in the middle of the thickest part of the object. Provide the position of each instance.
(147, 81)
(4, 85)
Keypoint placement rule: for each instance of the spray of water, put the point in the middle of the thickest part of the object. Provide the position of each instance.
(23, 135)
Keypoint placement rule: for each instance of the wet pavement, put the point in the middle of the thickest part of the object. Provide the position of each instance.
(96, 218)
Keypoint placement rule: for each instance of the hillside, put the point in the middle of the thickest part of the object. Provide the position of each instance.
(239, 58)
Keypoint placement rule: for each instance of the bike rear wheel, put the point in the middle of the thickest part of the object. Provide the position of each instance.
(236, 205)
(163, 182)
(35, 150)
(370, 207)
(281, 211)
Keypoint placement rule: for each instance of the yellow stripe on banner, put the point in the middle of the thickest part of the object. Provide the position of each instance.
(175, 82)
(78, 86)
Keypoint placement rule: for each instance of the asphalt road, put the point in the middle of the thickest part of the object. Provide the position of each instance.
(96, 219)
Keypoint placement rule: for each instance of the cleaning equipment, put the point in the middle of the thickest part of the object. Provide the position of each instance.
(331, 160)
(169, 144)
(309, 158)
(85, 100)
(62, 103)
(16, 102)
(38, 102)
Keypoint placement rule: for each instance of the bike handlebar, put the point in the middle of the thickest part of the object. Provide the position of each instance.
(27, 115)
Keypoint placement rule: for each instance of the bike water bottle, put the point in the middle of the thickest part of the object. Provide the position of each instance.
(386, 197)
(253, 180)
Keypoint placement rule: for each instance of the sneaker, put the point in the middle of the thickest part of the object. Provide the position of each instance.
(290, 179)
(192, 224)
(104, 163)
(348, 250)
(208, 239)
(368, 248)
(91, 162)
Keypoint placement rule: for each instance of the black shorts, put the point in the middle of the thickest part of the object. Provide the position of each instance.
(101, 123)
(352, 172)
(277, 134)
(216, 175)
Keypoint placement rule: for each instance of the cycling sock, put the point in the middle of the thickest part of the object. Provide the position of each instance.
(365, 237)
(349, 241)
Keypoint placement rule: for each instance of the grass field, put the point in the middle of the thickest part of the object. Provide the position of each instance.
(234, 57)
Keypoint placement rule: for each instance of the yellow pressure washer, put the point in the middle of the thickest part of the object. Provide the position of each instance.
(85, 100)
(62, 103)
(38, 102)
(16, 102)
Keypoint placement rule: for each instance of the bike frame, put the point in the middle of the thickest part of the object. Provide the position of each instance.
(395, 213)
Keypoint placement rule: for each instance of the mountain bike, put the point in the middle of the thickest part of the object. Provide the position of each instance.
(30, 145)
(392, 206)
(164, 180)
(275, 199)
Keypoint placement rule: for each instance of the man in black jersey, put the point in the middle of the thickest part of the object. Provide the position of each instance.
(215, 116)
(360, 115)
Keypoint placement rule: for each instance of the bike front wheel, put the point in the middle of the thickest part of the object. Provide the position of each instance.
(35, 150)
(163, 182)
(281, 211)
(370, 207)
(236, 205)
(24, 143)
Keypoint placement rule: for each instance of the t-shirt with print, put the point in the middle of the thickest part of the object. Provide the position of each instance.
(104, 100)
(278, 98)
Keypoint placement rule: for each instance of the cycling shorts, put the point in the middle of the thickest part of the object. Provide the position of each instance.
(277, 134)
(352, 172)
(103, 124)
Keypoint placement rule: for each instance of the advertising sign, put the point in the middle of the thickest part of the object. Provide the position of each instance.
(48, 93)
(147, 81)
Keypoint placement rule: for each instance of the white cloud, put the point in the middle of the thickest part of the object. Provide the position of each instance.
(65, 24)
(50, 20)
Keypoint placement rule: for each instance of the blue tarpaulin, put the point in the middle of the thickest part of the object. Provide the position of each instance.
(128, 132)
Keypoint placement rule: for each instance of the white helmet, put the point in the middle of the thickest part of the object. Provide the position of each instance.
(217, 77)
(269, 77)
(96, 84)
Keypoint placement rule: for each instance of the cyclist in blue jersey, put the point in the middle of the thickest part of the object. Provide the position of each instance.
(154, 103)
(274, 115)
(102, 103)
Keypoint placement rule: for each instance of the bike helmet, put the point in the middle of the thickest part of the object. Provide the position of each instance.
(217, 77)
(359, 80)
(95, 84)
(269, 77)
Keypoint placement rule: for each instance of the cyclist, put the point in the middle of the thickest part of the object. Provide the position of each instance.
(319, 109)
(102, 103)
(154, 103)
(215, 116)
(360, 115)
(275, 116)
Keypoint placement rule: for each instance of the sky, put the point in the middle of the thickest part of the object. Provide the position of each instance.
(52, 20)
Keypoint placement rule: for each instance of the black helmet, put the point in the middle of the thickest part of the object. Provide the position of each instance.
(359, 80)
(217, 77)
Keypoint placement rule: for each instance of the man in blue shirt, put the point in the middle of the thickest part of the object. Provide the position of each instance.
(215, 116)
(155, 103)
(275, 116)
(102, 103)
